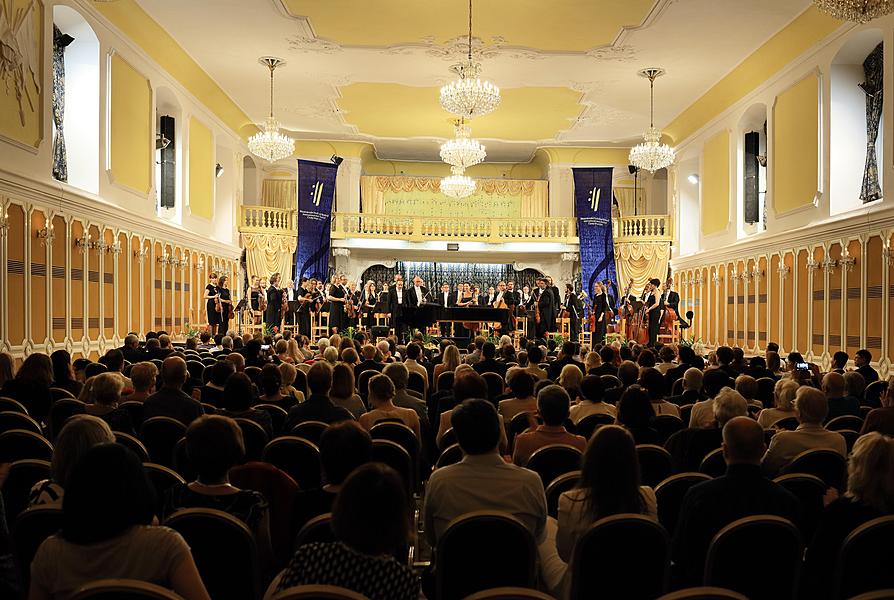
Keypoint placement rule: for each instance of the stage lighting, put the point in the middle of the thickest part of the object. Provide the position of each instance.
(693, 179)
(218, 170)
(336, 160)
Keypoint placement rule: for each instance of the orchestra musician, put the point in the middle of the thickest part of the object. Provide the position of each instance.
(672, 299)
(397, 301)
(557, 300)
(368, 300)
(525, 296)
(544, 309)
(653, 309)
(418, 293)
(304, 293)
(446, 298)
(466, 297)
(600, 308)
(573, 307)
(337, 298)
(225, 303)
(254, 292)
(512, 300)
(210, 297)
(273, 315)
(355, 296)
(490, 298)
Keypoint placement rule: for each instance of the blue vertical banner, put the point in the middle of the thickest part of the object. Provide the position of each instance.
(593, 201)
(316, 191)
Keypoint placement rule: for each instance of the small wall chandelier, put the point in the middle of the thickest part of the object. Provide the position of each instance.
(858, 11)
(269, 143)
(462, 151)
(457, 185)
(651, 154)
(469, 96)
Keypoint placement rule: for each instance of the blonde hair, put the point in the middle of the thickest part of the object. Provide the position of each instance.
(330, 354)
(870, 470)
(335, 340)
(451, 358)
(79, 434)
(784, 394)
(570, 377)
(106, 388)
(294, 351)
(288, 373)
(593, 360)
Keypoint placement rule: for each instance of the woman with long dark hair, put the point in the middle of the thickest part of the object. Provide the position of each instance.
(31, 385)
(223, 291)
(609, 485)
(63, 373)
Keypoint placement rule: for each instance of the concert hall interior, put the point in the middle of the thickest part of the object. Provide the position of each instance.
(444, 298)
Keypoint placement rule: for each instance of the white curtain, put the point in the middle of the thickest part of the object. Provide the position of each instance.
(279, 193)
(266, 254)
(625, 198)
(641, 261)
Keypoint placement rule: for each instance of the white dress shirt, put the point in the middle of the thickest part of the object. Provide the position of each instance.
(418, 294)
(400, 296)
(446, 296)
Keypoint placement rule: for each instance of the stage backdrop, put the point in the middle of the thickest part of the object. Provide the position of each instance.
(593, 201)
(316, 190)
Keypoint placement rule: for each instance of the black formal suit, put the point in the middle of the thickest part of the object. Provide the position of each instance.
(712, 505)
(273, 314)
(396, 306)
(600, 307)
(486, 300)
(547, 310)
(556, 366)
(449, 300)
(490, 365)
(654, 316)
(557, 300)
(133, 355)
(511, 298)
(575, 313)
(303, 311)
(413, 300)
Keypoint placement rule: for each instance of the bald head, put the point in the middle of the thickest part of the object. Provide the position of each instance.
(833, 385)
(743, 441)
(173, 372)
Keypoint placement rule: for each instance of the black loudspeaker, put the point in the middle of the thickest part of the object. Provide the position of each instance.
(751, 206)
(380, 331)
(167, 185)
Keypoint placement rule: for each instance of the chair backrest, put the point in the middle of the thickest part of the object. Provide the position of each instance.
(182, 464)
(863, 563)
(703, 593)
(447, 440)
(450, 455)
(60, 411)
(29, 531)
(828, 465)
(590, 423)
(195, 368)
(278, 416)
(509, 593)
(556, 488)
(610, 381)
(317, 592)
(519, 424)
(254, 438)
(209, 409)
(872, 393)
(621, 556)
(206, 373)
(788, 424)
(160, 435)
(713, 464)
(135, 410)
(677, 387)
(363, 381)
(16, 420)
(132, 443)
(318, 529)
(299, 458)
(445, 380)
(309, 430)
(416, 382)
(774, 539)
(23, 474)
(845, 422)
(396, 457)
(12, 405)
(850, 438)
(162, 479)
(18, 444)
(686, 412)
(667, 425)
(810, 490)
(553, 461)
(483, 550)
(397, 433)
(224, 550)
(300, 382)
(655, 464)
(57, 393)
(669, 494)
(495, 385)
(253, 373)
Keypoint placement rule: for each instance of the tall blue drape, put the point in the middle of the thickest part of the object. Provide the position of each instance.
(593, 201)
(316, 192)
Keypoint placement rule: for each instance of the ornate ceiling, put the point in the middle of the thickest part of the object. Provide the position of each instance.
(371, 70)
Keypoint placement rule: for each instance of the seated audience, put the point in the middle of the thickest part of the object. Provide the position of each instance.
(882, 419)
(79, 434)
(288, 374)
(757, 368)
(646, 359)
(590, 400)
(607, 358)
(468, 384)
(609, 484)
(652, 381)
(569, 380)
(635, 413)
(783, 400)
(403, 398)
(747, 386)
(692, 387)
(854, 386)
(566, 357)
(7, 367)
(839, 362)
(774, 364)
(448, 364)
(487, 363)
(342, 392)
(282, 352)
(869, 495)
(370, 519)
(482, 480)
(521, 386)
(811, 409)
(743, 491)
(237, 402)
(131, 349)
(270, 387)
(212, 392)
(143, 375)
(863, 360)
(690, 446)
(553, 405)
(107, 533)
(667, 356)
(63, 373)
(381, 406)
(171, 400)
(839, 403)
(238, 361)
(702, 414)
(31, 385)
(413, 364)
(318, 407)
(105, 393)
(535, 357)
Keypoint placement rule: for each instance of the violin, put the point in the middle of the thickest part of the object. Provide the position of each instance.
(285, 301)
(262, 299)
(537, 308)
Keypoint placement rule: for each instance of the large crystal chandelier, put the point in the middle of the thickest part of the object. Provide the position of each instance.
(651, 154)
(457, 185)
(269, 143)
(462, 151)
(469, 96)
(858, 11)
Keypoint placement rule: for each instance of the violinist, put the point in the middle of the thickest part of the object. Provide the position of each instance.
(224, 304)
(273, 314)
(210, 298)
(653, 309)
(465, 297)
(573, 307)
(303, 295)
(254, 291)
(512, 300)
(368, 300)
(600, 308)
(355, 296)
(337, 297)
(544, 309)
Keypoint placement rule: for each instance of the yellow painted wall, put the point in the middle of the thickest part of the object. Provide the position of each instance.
(201, 170)
(715, 184)
(795, 150)
(21, 117)
(130, 127)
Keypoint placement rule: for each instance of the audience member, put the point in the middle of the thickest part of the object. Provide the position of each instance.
(553, 404)
(590, 400)
(79, 434)
(646, 359)
(370, 520)
(811, 409)
(237, 401)
(7, 367)
(107, 534)
(566, 357)
(342, 392)
(747, 386)
(105, 393)
(171, 400)
(609, 484)
(783, 401)
(288, 375)
(31, 385)
(757, 368)
(882, 419)
(635, 413)
(839, 362)
(702, 414)
(381, 402)
(448, 364)
(414, 355)
(487, 363)
(651, 380)
(743, 491)
(399, 376)
(143, 375)
(863, 360)
(690, 446)
(238, 361)
(692, 388)
(212, 392)
(521, 386)
(839, 404)
(63, 373)
(131, 349)
(270, 387)
(854, 386)
(607, 356)
(318, 407)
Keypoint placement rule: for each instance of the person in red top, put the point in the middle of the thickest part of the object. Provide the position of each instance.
(553, 404)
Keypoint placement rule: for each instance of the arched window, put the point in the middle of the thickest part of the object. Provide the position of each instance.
(75, 112)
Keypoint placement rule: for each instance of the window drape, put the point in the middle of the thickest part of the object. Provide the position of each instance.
(280, 193)
(641, 261)
(874, 87)
(60, 158)
(266, 254)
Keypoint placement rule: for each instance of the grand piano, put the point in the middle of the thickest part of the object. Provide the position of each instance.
(430, 313)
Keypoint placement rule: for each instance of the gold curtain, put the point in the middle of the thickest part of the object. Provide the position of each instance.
(641, 261)
(534, 192)
(279, 193)
(266, 254)
(625, 200)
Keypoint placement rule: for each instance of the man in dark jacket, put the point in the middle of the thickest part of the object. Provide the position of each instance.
(318, 406)
(487, 363)
(566, 357)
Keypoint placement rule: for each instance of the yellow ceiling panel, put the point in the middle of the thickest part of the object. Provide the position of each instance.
(400, 111)
(557, 25)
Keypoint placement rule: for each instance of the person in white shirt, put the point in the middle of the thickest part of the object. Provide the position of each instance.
(702, 415)
(419, 292)
(590, 400)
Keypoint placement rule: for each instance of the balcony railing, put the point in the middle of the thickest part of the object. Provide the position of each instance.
(643, 228)
(266, 219)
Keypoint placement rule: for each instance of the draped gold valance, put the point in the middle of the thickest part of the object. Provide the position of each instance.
(422, 196)
(279, 193)
(267, 253)
(641, 261)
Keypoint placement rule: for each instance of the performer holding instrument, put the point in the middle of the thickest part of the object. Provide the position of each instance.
(572, 310)
(210, 298)
(274, 309)
(599, 313)
(368, 300)
(224, 304)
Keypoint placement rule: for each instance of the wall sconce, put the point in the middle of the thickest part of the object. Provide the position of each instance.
(200, 264)
(46, 235)
(141, 253)
(167, 259)
(4, 221)
(100, 245)
(84, 243)
(847, 263)
(829, 265)
(115, 248)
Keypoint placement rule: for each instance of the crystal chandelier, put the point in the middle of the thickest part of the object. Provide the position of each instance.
(457, 185)
(469, 96)
(858, 11)
(269, 143)
(462, 151)
(651, 154)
